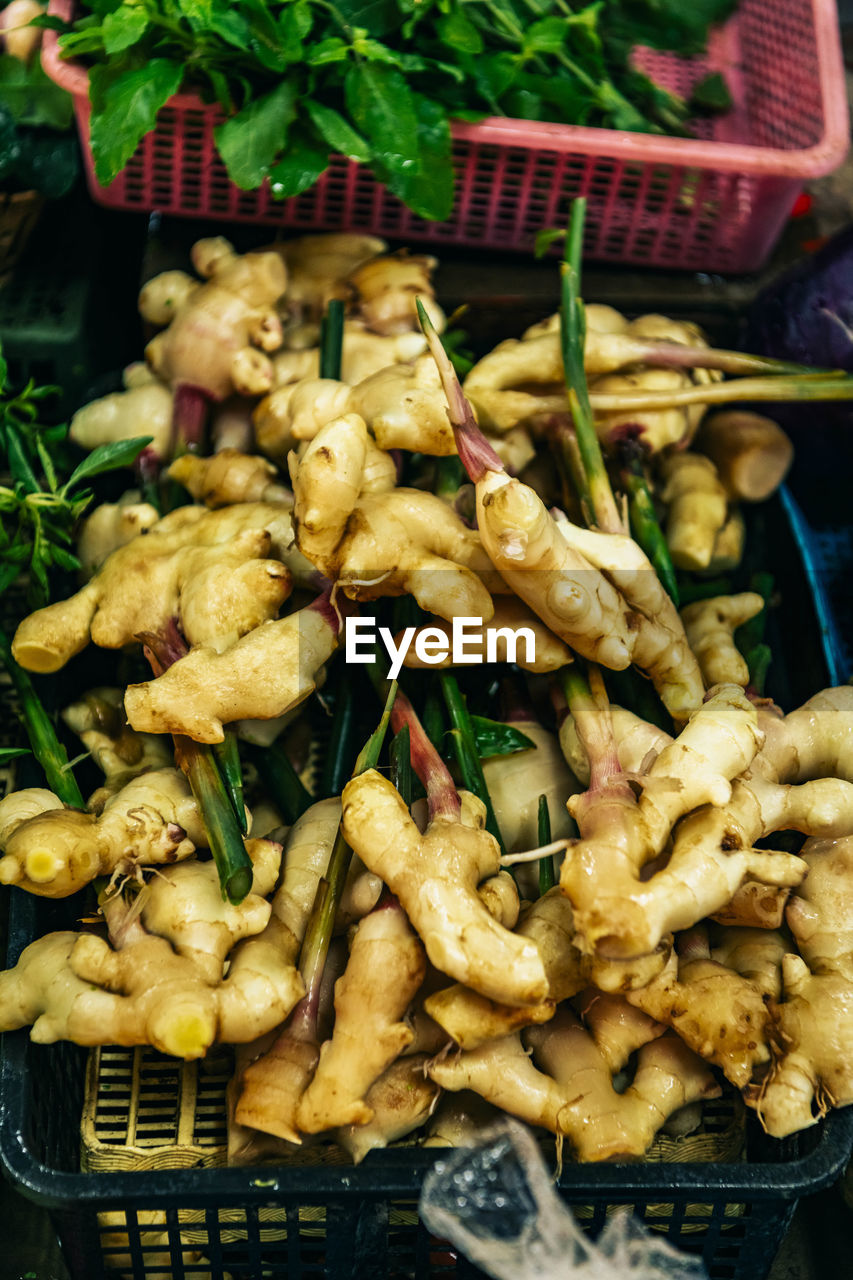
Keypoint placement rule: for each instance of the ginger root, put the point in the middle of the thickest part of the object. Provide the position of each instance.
(75, 987)
(752, 454)
(384, 544)
(110, 526)
(696, 508)
(435, 877)
(212, 570)
(141, 410)
(704, 791)
(266, 672)
(812, 1032)
(53, 851)
(386, 967)
(229, 477)
(220, 331)
(710, 625)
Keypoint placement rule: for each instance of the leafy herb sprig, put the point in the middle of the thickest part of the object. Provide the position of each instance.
(38, 509)
(375, 80)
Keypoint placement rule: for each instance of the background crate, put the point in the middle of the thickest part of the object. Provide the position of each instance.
(68, 308)
(714, 202)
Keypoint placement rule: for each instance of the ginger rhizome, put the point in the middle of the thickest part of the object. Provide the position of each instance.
(219, 573)
(523, 378)
(168, 990)
(812, 1033)
(435, 877)
(596, 591)
(567, 1087)
(53, 851)
(262, 675)
(388, 543)
(692, 794)
(219, 333)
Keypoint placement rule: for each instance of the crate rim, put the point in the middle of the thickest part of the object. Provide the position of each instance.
(390, 1173)
(808, 162)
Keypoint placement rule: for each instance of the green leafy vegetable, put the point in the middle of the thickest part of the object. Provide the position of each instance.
(376, 80)
(124, 109)
(38, 511)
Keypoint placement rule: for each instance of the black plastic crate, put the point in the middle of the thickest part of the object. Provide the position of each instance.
(343, 1223)
(333, 1222)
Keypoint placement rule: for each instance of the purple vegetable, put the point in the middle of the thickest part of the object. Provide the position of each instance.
(806, 313)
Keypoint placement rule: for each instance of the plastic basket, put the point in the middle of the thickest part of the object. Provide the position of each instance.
(333, 1221)
(714, 202)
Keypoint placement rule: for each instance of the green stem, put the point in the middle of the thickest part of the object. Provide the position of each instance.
(337, 764)
(318, 934)
(547, 876)
(564, 441)
(331, 340)
(781, 388)
(47, 748)
(645, 527)
(227, 756)
(572, 341)
(401, 764)
(467, 756)
(224, 836)
(282, 782)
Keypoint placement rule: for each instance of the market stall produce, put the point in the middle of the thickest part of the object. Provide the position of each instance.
(428, 935)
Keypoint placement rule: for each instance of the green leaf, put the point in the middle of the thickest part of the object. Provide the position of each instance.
(496, 739)
(108, 457)
(711, 94)
(548, 35)
(491, 75)
(124, 28)
(7, 754)
(667, 24)
(64, 559)
(331, 50)
(457, 32)
(382, 106)
(219, 19)
(299, 168)
(375, 51)
(376, 16)
(339, 134)
(250, 141)
(124, 108)
(292, 28)
(428, 189)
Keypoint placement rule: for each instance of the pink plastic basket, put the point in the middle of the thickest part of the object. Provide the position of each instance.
(716, 202)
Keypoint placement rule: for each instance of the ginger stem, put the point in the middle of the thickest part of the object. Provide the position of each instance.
(318, 934)
(474, 450)
(645, 527)
(572, 339)
(47, 748)
(331, 340)
(467, 756)
(217, 804)
(442, 796)
(591, 714)
(547, 878)
(821, 387)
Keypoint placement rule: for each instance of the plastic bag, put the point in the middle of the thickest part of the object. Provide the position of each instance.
(496, 1203)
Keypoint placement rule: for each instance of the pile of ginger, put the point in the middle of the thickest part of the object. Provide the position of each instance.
(683, 951)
